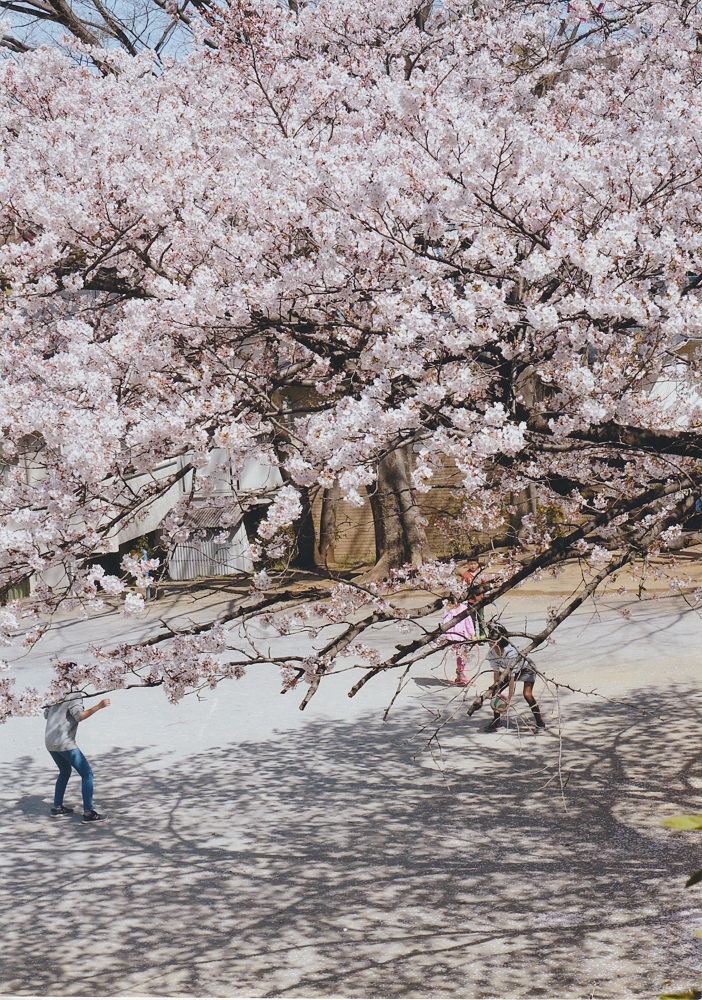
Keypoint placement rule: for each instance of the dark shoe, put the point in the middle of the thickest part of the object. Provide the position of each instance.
(62, 811)
(493, 726)
(92, 817)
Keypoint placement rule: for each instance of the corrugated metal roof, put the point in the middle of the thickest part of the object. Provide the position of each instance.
(227, 515)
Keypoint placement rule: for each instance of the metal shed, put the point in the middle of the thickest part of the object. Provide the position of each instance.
(218, 544)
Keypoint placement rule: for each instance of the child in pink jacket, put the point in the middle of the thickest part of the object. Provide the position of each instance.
(461, 633)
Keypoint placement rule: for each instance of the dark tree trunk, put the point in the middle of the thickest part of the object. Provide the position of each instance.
(306, 540)
(327, 524)
(399, 531)
(522, 502)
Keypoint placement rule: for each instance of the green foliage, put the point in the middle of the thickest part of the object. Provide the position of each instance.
(553, 512)
(682, 822)
(685, 823)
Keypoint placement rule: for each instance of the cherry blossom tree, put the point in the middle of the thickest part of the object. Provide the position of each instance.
(463, 237)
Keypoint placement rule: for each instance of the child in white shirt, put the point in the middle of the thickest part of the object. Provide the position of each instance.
(504, 656)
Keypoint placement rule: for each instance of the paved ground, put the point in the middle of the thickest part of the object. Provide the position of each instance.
(254, 850)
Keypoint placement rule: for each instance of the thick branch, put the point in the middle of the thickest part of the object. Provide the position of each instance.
(685, 443)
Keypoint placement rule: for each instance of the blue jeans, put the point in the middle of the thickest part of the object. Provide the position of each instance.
(65, 760)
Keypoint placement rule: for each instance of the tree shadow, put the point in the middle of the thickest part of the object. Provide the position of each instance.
(32, 805)
(429, 682)
(357, 859)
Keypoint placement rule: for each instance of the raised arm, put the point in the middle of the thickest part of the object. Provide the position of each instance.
(95, 708)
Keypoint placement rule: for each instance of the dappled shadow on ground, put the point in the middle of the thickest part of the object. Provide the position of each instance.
(342, 860)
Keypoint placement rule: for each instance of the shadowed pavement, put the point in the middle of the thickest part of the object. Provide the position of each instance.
(337, 860)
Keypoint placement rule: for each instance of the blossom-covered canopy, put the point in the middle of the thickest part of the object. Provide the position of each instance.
(473, 232)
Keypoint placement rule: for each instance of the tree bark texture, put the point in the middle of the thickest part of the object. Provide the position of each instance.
(399, 531)
(328, 530)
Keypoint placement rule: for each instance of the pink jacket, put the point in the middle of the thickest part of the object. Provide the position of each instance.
(462, 631)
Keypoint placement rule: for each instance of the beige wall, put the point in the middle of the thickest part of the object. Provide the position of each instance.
(355, 544)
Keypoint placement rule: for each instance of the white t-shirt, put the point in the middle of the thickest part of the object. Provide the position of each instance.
(62, 723)
(510, 659)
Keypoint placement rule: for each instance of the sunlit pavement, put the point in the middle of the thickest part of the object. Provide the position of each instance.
(254, 850)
